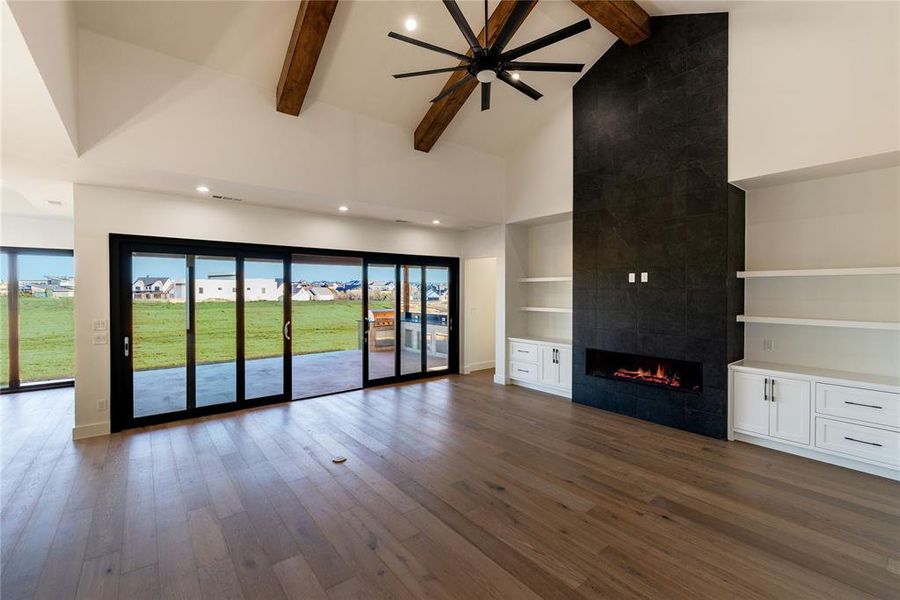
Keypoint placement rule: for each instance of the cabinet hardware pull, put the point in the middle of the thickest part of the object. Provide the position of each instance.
(521, 370)
(522, 351)
(766, 389)
(772, 390)
(861, 441)
(859, 404)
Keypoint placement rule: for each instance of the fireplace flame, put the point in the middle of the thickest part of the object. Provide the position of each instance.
(659, 376)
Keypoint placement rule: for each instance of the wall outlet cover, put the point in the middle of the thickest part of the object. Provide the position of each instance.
(102, 404)
(101, 339)
(768, 345)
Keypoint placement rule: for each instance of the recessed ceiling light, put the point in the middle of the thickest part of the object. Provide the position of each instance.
(202, 189)
(343, 208)
(435, 222)
(410, 24)
(515, 76)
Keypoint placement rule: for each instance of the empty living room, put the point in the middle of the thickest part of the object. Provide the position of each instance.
(460, 299)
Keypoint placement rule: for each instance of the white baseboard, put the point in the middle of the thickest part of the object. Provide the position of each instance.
(499, 379)
(840, 461)
(81, 432)
(478, 366)
(547, 389)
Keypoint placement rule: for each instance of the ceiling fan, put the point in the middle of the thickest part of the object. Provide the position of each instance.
(489, 63)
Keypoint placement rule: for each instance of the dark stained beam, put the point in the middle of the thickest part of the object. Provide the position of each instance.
(624, 18)
(307, 39)
(442, 112)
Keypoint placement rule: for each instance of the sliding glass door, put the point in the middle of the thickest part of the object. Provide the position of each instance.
(203, 327)
(37, 325)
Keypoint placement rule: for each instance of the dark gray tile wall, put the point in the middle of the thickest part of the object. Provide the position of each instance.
(651, 194)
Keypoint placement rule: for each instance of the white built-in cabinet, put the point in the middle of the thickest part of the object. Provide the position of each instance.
(844, 418)
(540, 364)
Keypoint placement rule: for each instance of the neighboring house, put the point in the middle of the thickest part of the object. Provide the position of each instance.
(300, 293)
(152, 288)
(66, 281)
(4, 288)
(52, 291)
(321, 294)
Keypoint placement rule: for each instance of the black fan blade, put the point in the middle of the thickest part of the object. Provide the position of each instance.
(428, 46)
(519, 12)
(463, 25)
(549, 67)
(550, 38)
(452, 88)
(529, 91)
(485, 96)
(430, 72)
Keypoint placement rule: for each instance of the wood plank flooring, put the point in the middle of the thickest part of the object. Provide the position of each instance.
(453, 488)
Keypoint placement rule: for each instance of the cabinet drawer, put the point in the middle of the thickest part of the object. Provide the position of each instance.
(860, 441)
(523, 371)
(881, 408)
(523, 352)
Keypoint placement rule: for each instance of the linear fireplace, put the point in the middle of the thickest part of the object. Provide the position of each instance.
(679, 375)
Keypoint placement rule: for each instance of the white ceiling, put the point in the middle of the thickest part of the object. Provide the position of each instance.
(249, 39)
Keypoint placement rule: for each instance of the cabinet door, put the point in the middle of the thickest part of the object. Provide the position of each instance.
(750, 404)
(789, 409)
(564, 358)
(549, 368)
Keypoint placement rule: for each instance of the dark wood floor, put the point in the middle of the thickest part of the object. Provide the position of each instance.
(453, 488)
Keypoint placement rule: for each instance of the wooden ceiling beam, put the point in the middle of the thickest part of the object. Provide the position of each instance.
(624, 18)
(307, 39)
(442, 112)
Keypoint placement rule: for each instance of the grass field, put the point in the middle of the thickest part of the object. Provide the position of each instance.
(46, 330)
(46, 339)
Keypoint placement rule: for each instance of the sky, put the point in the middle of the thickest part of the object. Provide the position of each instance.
(37, 266)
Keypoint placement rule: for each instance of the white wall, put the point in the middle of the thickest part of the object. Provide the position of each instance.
(539, 174)
(480, 310)
(100, 211)
(51, 32)
(811, 83)
(488, 243)
(846, 221)
(36, 232)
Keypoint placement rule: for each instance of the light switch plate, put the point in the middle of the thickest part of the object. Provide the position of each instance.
(100, 325)
(100, 339)
(645, 277)
(631, 278)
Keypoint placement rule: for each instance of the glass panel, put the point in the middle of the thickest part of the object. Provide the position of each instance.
(159, 329)
(410, 319)
(4, 320)
(46, 318)
(263, 328)
(326, 315)
(382, 321)
(215, 322)
(437, 303)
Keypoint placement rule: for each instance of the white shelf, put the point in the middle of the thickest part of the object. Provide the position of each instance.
(546, 309)
(544, 279)
(531, 339)
(882, 325)
(820, 272)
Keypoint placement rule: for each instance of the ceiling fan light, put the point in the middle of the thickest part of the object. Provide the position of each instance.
(486, 76)
(515, 76)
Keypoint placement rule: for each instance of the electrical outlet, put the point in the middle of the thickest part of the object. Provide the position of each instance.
(768, 345)
(645, 277)
(100, 325)
(102, 404)
(631, 278)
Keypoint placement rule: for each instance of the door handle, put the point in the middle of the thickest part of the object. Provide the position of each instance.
(127, 346)
(286, 331)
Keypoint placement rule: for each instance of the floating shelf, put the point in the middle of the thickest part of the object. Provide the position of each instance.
(544, 279)
(546, 309)
(820, 272)
(882, 325)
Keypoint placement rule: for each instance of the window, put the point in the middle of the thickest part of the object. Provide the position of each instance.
(201, 290)
(37, 333)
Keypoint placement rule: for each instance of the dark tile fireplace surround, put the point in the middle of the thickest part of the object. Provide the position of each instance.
(651, 195)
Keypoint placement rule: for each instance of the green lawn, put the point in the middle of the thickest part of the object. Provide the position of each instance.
(46, 339)
(47, 333)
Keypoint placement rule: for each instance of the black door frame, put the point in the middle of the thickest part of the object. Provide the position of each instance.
(13, 349)
(120, 248)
